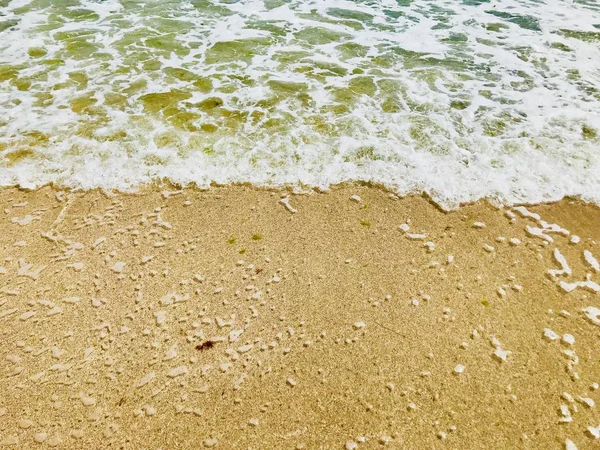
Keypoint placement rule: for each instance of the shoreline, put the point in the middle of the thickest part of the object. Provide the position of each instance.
(225, 319)
(167, 186)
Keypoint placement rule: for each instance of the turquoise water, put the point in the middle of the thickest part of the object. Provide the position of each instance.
(460, 99)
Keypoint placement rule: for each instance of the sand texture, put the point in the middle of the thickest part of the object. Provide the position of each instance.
(350, 319)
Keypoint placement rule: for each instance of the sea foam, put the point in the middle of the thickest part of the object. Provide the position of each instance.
(461, 100)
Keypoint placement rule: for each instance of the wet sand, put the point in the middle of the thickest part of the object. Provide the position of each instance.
(226, 319)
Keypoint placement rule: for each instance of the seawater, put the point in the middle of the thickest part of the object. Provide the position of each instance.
(459, 99)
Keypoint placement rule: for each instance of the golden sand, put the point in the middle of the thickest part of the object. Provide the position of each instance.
(192, 319)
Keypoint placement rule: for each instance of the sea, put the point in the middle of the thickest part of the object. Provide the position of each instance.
(458, 99)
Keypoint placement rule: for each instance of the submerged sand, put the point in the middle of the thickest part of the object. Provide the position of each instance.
(222, 318)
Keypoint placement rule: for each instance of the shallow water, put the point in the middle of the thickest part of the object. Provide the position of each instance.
(460, 99)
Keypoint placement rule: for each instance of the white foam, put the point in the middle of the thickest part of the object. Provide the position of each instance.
(593, 314)
(564, 266)
(588, 284)
(591, 260)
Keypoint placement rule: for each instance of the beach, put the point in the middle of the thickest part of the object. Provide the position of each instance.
(245, 318)
(299, 224)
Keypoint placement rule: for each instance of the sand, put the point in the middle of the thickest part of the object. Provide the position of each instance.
(190, 319)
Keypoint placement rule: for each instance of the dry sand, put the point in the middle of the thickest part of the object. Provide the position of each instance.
(222, 319)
